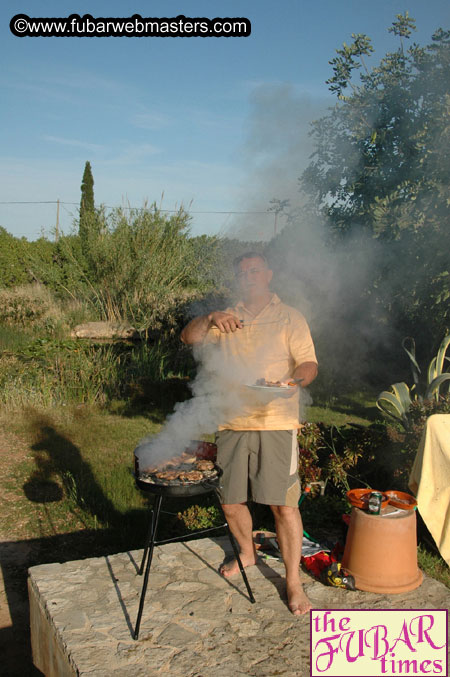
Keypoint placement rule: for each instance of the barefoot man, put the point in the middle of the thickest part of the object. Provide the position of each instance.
(257, 449)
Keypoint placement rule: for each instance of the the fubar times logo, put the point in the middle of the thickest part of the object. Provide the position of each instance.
(379, 642)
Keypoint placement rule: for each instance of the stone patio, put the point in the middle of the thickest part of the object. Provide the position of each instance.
(195, 623)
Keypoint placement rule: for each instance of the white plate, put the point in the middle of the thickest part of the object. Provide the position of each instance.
(277, 391)
(274, 388)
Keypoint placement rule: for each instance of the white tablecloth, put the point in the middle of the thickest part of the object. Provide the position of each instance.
(430, 480)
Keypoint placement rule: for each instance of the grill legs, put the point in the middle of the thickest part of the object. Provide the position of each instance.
(151, 541)
(151, 536)
(148, 554)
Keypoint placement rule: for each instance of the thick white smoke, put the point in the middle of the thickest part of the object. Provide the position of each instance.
(220, 391)
(323, 282)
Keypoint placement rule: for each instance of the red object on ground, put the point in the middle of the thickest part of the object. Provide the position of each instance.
(315, 564)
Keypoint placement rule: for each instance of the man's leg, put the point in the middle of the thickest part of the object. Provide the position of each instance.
(289, 528)
(232, 457)
(240, 522)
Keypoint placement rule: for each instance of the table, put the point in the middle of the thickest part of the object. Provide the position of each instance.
(430, 480)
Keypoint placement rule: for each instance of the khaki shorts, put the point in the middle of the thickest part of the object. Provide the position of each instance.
(258, 465)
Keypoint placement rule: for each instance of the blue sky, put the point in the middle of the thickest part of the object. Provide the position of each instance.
(216, 124)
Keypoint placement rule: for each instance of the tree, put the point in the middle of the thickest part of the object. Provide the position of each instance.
(87, 223)
(13, 269)
(380, 167)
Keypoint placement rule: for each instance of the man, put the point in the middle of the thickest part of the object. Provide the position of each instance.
(260, 337)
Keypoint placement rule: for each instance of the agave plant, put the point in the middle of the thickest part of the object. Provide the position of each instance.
(397, 401)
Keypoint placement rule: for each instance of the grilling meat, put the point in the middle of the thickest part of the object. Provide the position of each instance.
(191, 476)
(204, 465)
(275, 384)
(167, 474)
(188, 468)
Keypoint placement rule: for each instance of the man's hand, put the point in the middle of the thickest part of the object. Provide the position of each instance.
(225, 322)
(197, 328)
(307, 371)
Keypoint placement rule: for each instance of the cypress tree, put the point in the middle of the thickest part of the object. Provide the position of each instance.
(87, 207)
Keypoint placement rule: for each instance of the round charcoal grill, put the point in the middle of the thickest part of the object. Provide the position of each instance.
(179, 489)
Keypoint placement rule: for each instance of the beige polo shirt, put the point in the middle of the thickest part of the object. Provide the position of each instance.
(270, 345)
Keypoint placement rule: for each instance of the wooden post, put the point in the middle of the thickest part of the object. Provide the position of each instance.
(57, 221)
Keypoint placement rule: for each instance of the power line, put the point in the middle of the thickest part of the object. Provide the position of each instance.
(169, 211)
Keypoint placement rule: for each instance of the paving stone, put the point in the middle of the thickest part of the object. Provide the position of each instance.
(202, 626)
(154, 623)
(186, 586)
(242, 626)
(188, 663)
(195, 623)
(212, 578)
(277, 628)
(263, 613)
(172, 601)
(177, 636)
(122, 632)
(137, 670)
(206, 607)
(156, 580)
(191, 561)
(75, 618)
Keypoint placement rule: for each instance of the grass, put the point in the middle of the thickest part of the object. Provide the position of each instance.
(13, 339)
(75, 472)
(357, 406)
(50, 372)
(433, 565)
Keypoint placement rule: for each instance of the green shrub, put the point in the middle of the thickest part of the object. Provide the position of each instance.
(13, 256)
(397, 402)
(408, 440)
(141, 267)
(349, 456)
(378, 456)
(199, 517)
(31, 306)
(50, 371)
(327, 453)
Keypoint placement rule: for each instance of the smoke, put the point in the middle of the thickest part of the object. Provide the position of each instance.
(276, 152)
(324, 283)
(220, 393)
(216, 397)
(306, 274)
(336, 288)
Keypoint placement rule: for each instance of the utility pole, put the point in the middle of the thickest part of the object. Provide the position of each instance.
(278, 207)
(57, 221)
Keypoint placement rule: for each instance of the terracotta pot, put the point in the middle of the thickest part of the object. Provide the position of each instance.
(381, 552)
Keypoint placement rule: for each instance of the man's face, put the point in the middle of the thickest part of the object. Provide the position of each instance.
(253, 278)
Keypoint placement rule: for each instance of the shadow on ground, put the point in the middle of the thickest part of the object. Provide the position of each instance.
(56, 456)
(16, 557)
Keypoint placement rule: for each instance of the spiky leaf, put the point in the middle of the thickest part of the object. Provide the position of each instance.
(440, 356)
(399, 400)
(433, 388)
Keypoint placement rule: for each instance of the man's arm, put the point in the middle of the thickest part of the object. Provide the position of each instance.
(306, 371)
(196, 330)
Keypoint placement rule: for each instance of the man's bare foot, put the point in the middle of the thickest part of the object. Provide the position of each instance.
(298, 602)
(232, 568)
